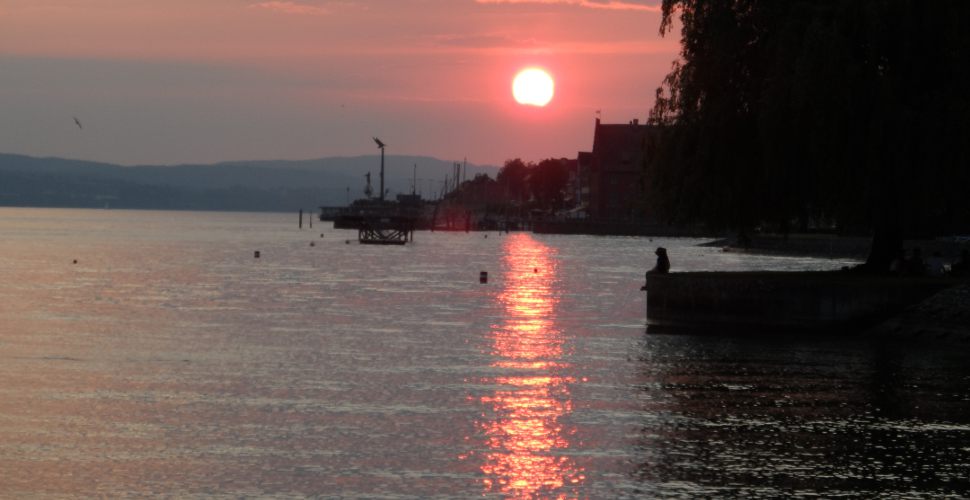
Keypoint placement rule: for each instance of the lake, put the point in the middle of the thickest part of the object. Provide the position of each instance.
(168, 361)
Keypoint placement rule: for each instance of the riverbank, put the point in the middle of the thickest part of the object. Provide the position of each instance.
(828, 246)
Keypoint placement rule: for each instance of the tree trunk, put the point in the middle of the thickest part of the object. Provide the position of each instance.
(887, 242)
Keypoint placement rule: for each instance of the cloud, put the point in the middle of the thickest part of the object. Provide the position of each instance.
(589, 4)
(287, 7)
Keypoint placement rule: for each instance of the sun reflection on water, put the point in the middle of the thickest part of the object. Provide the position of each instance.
(525, 436)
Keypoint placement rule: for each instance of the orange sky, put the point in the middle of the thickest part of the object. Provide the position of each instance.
(200, 81)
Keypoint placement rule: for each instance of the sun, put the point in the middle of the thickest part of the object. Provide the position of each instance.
(533, 87)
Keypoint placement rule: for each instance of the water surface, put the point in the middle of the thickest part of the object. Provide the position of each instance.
(169, 361)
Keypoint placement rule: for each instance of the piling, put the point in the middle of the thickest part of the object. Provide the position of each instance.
(301, 218)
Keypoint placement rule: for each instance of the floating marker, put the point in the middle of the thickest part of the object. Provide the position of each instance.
(483, 277)
(256, 254)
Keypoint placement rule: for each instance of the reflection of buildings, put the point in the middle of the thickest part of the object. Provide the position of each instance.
(524, 432)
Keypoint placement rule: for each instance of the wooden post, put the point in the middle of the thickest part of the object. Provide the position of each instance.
(301, 218)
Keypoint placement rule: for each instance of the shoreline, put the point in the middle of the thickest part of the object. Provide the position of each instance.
(829, 246)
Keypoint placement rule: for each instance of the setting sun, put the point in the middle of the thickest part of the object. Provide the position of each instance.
(533, 87)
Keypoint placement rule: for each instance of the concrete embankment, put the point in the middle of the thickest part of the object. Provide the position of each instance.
(828, 302)
(602, 228)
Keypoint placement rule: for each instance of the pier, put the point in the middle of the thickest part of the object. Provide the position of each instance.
(395, 230)
(827, 302)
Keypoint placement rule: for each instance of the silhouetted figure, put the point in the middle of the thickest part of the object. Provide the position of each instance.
(961, 268)
(663, 264)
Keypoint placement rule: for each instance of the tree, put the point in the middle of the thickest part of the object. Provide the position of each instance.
(512, 177)
(857, 109)
(548, 182)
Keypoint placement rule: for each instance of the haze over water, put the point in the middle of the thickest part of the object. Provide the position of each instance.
(169, 361)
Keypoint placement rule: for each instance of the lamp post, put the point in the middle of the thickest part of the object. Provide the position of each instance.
(381, 146)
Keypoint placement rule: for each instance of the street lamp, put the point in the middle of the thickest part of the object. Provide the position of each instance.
(381, 146)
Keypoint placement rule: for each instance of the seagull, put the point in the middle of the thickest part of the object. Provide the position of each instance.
(78, 122)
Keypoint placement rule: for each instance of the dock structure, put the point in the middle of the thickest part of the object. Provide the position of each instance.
(396, 230)
(376, 222)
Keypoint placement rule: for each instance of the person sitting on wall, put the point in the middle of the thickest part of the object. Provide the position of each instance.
(663, 264)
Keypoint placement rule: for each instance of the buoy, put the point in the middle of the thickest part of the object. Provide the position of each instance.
(256, 254)
(536, 270)
(321, 235)
(312, 244)
(75, 261)
(483, 277)
(347, 242)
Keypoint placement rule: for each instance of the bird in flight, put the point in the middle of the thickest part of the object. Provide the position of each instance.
(78, 123)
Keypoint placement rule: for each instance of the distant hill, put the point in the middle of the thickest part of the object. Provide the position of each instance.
(239, 185)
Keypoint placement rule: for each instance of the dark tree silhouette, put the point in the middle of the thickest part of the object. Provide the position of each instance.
(513, 177)
(857, 110)
(548, 182)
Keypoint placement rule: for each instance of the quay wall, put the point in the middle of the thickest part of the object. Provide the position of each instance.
(790, 301)
(613, 228)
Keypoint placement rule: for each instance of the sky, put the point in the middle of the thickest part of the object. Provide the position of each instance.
(201, 81)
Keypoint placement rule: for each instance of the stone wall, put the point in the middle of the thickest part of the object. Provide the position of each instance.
(782, 300)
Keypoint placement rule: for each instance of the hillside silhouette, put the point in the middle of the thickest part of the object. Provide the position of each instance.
(266, 185)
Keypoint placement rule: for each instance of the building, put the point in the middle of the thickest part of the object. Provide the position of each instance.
(614, 170)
